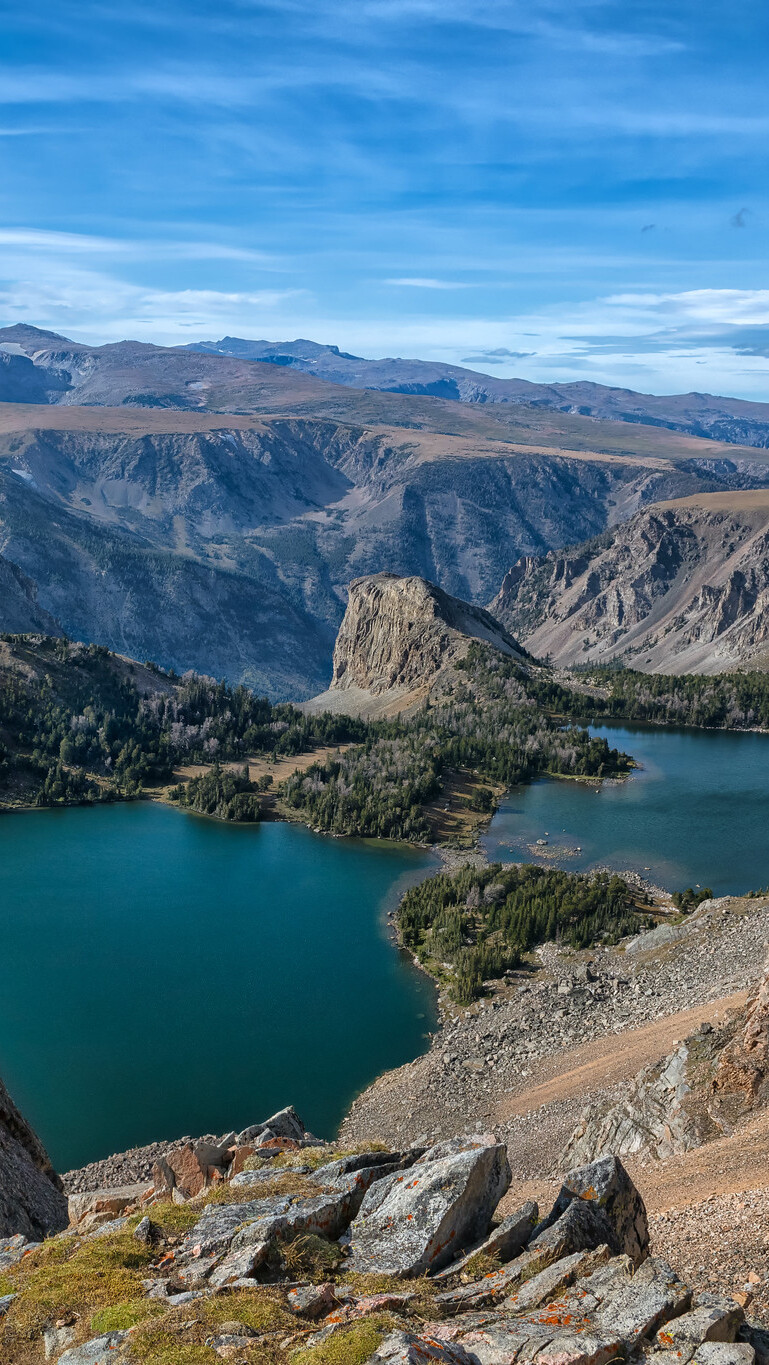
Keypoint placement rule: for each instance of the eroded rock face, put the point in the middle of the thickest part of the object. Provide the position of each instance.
(695, 1094)
(743, 1067)
(681, 587)
(31, 1198)
(398, 632)
(419, 1220)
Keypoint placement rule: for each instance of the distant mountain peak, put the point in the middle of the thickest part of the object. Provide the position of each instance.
(24, 331)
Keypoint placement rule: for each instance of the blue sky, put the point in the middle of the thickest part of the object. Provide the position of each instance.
(560, 189)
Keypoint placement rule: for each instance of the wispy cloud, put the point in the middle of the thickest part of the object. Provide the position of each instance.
(424, 282)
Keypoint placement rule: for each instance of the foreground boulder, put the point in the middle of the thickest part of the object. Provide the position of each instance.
(417, 1221)
(31, 1198)
(609, 1196)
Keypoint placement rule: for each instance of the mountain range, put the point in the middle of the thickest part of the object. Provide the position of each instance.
(208, 511)
(701, 414)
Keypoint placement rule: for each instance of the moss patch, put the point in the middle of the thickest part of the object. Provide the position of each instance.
(180, 1338)
(66, 1276)
(348, 1346)
(120, 1316)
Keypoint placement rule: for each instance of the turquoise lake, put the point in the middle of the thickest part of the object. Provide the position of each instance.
(163, 974)
(696, 812)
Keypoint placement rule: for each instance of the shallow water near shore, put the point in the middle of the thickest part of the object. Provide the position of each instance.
(695, 812)
(163, 974)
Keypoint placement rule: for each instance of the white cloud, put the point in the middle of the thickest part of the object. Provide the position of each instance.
(425, 282)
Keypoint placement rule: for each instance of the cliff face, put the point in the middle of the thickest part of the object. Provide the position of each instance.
(31, 1198)
(681, 587)
(398, 632)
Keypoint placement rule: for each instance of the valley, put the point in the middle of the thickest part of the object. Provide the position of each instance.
(208, 512)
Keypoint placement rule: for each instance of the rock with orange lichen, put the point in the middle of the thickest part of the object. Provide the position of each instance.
(419, 1220)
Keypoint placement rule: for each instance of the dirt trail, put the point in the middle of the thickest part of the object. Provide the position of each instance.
(611, 1059)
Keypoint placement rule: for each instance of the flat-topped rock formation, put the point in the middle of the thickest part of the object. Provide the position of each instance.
(397, 635)
(681, 587)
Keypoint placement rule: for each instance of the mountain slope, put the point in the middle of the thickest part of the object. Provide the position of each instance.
(40, 367)
(702, 414)
(681, 587)
(226, 544)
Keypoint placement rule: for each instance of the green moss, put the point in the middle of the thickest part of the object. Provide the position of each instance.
(351, 1346)
(158, 1346)
(261, 1309)
(65, 1276)
(6, 1286)
(178, 1341)
(119, 1316)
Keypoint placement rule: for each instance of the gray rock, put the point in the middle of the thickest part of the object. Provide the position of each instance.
(106, 1350)
(285, 1124)
(31, 1198)
(655, 938)
(755, 1334)
(56, 1340)
(416, 1221)
(347, 1165)
(403, 1348)
(491, 1288)
(5, 1302)
(702, 1324)
(114, 1200)
(312, 1300)
(240, 1264)
(504, 1241)
(582, 1226)
(606, 1185)
(653, 1297)
(511, 1340)
(549, 1283)
(723, 1353)
(143, 1231)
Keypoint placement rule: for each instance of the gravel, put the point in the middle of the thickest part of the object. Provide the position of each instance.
(481, 1056)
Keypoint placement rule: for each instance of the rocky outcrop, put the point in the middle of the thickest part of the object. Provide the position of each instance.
(31, 1199)
(682, 587)
(240, 1281)
(20, 611)
(698, 1092)
(414, 1222)
(396, 637)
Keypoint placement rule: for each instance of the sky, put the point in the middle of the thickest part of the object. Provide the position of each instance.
(556, 189)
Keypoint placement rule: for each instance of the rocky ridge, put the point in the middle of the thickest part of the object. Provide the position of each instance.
(209, 512)
(700, 1091)
(482, 1059)
(282, 1250)
(681, 587)
(699, 413)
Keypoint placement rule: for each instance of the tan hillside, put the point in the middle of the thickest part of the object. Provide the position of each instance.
(681, 587)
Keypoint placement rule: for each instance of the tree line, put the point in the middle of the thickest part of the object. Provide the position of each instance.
(475, 924)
